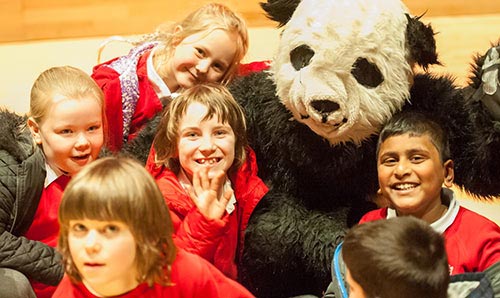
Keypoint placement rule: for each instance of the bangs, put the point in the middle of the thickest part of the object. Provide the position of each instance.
(110, 201)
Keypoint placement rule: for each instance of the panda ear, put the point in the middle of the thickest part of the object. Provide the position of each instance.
(280, 10)
(420, 38)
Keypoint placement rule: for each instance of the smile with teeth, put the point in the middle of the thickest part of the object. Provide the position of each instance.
(404, 186)
(208, 161)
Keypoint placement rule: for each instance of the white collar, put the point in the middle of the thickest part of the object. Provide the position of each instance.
(186, 184)
(161, 89)
(51, 175)
(447, 219)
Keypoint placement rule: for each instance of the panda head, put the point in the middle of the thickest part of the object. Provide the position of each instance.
(344, 67)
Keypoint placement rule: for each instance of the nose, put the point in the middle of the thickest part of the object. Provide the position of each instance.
(207, 145)
(92, 244)
(82, 141)
(402, 168)
(203, 65)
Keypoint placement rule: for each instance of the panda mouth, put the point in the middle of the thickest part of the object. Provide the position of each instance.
(324, 121)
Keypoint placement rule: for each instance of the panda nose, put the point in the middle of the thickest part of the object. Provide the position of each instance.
(325, 106)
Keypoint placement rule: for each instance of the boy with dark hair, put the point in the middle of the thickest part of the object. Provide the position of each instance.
(398, 257)
(414, 163)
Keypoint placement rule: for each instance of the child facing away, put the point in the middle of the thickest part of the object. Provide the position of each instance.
(207, 173)
(206, 46)
(116, 240)
(38, 155)
(394, 258)
(414, 162)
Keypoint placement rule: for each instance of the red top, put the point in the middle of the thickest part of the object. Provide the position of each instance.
(472, 241)
(45, 226)
(191, 277)
(218, 241)
(148, 104)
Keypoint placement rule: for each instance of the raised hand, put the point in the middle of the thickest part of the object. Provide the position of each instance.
(208, 194)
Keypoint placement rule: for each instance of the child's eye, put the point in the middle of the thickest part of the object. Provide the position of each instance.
(389, 161)
(219, 67)
(220, 132)
(65, 131)
(78, 229)
(417, 158)
(94, 128)
(111, 229)
(200, 52)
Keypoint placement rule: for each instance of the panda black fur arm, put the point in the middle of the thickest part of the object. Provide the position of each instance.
(474, 135)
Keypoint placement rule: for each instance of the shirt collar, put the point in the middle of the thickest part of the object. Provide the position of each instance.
(447, 219)
(51, 175)
(158, 84)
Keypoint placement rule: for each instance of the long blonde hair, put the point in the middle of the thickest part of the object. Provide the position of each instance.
(206, 19)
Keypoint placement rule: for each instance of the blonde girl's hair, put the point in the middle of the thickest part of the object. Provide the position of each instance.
(220, 103)
(120, 189)
(67, 81)
(206, 19)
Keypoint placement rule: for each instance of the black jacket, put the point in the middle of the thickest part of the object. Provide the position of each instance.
(22, 176)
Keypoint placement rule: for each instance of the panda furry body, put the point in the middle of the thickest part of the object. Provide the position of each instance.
(342, 69)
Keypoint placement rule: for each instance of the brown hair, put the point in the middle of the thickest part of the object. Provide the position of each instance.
(397, 257)
(219, 102)
(207, 18)
(120, 189)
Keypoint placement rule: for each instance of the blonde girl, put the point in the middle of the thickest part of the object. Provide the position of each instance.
(206, 46)
(38, 155)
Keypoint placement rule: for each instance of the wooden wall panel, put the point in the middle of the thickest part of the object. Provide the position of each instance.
(23, 20)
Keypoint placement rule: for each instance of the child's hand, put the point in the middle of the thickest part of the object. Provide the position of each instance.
(208, 194)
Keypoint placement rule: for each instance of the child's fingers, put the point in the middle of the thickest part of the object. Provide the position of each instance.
(204, 180)
(226, 197)
(217, 181)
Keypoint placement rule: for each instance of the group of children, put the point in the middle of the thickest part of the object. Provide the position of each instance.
(175, 227)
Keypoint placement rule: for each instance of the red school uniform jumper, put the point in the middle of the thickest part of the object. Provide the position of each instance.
(191, 277)
(472, 241)
(218, 241)
(45, 226)
(130, 98)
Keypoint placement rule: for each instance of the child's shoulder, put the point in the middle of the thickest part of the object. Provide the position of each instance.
(376, 214)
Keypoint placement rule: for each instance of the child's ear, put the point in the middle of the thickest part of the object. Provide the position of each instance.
(449, 173)
(177, 40)
(35, 130)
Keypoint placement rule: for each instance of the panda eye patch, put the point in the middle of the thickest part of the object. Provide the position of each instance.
(367, 73)
(301, 56)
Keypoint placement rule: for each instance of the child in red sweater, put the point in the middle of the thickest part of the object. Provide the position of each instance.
(116, 240)
(414, 162)
(207, 173)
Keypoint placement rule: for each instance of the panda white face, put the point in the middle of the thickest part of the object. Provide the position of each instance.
(342, 66)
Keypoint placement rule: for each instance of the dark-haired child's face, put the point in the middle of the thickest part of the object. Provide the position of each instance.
(411, 175)
(104, 253)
